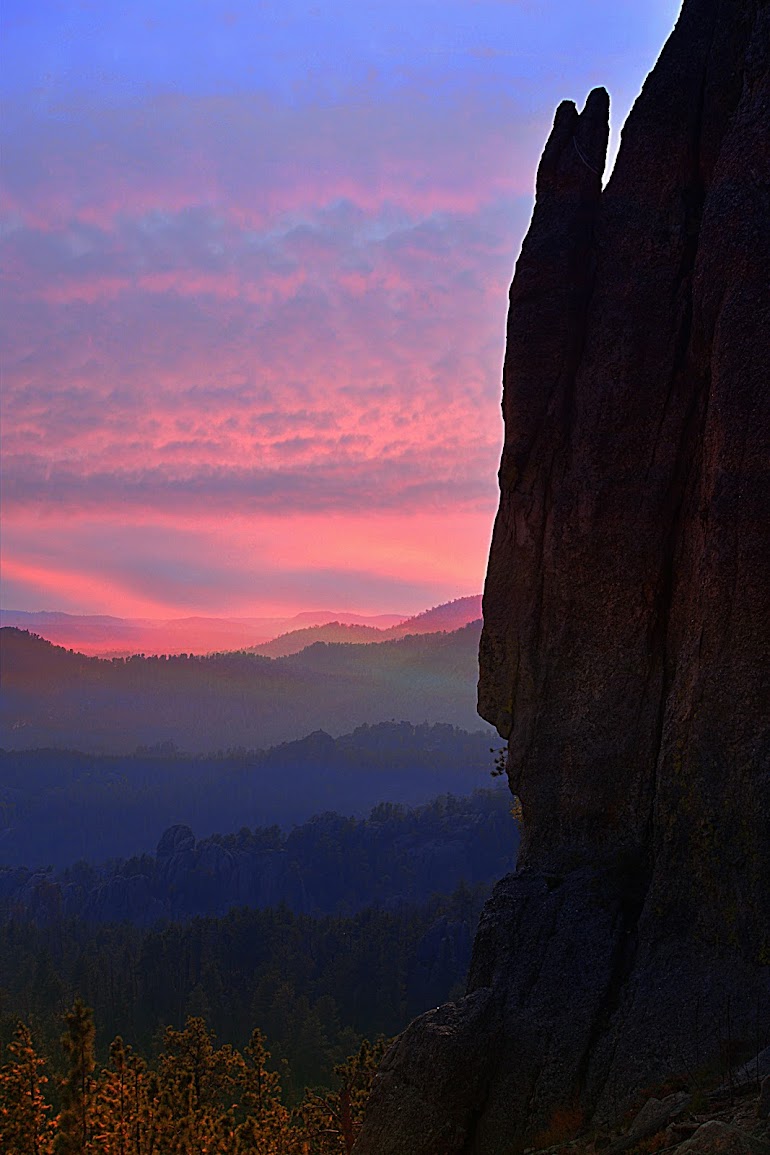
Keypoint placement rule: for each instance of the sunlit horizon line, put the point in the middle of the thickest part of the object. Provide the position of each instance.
(276, 611)
(274, 617)
(144, 610)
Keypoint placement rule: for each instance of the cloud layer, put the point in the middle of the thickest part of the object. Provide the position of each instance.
(240, 311)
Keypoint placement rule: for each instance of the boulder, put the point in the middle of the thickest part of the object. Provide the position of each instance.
(763, 1106)
(655, 1115)
(718, 1138)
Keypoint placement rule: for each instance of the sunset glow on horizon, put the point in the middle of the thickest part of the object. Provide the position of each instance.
(255, 263)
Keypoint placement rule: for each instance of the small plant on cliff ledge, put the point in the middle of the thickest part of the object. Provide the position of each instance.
(501, 762)
(501, 767)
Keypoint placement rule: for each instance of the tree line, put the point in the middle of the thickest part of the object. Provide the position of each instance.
(52, 697)
(197, 1097)
(315, 986)
(60, 806)
(333, 864)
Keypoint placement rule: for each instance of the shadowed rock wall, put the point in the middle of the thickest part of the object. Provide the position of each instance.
(625, 643)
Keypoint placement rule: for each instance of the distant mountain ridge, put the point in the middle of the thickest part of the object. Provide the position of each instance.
(105, 635)
(60, 806)
(444, 618)
(55, 697)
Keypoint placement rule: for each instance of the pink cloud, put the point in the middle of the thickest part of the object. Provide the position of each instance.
(252, 345)
(173, 371)
(151, 566)
(219, 312)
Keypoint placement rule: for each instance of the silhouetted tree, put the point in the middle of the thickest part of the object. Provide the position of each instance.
(74, 1123)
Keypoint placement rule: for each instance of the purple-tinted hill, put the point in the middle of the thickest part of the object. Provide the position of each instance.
(56, 697)
(444, 618)
(104, 636)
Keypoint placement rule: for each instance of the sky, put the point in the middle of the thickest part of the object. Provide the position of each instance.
(255, 259)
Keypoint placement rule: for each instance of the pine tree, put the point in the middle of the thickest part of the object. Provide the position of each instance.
(265, 1129)
(198, 1091)
(331, 1121)
(24, 1126)
(74, 1123)
(143, 1094)
(124, 1105)
(356, 1076)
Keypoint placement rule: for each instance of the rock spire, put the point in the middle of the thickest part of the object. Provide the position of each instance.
(625, 647)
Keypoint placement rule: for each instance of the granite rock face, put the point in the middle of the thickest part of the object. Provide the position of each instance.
(626, 631)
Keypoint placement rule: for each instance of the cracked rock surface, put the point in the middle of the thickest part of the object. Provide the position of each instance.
(626, 632)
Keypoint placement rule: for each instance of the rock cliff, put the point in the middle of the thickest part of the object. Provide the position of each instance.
(624, 651)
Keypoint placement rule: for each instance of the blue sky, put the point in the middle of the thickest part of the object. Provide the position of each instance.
(300, 52)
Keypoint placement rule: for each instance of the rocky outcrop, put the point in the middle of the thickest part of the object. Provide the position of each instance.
(625, 623)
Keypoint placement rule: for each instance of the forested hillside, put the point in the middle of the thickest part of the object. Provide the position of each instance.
(111, 636)
(59, 806)
(330, 865)
(314, 986)
(118, 887)
(336, 931)
(55, 697)
(446, 618)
